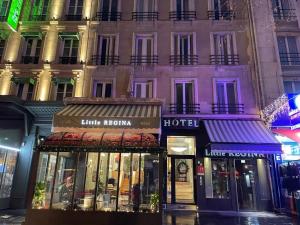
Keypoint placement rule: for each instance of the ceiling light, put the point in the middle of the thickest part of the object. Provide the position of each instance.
(9, 148)
(178, 149)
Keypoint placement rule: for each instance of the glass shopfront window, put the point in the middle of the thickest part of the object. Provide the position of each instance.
(101, 181)
(216, 178)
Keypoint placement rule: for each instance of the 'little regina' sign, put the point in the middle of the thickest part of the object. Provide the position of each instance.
(180, 123)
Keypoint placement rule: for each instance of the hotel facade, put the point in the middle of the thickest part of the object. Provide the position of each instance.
(126, 108)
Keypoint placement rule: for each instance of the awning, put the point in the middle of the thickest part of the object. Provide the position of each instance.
(131, 117)
(240, 136)
(96, 141)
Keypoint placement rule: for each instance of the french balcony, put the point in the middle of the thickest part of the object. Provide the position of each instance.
(38, 18)
(105, 60)
(143, 60)
(184, 60)
(145, 16)
(108, 16)
(285, 14)
(182, 15)
(30, 59)
(221, 15)
(289, 59)
(224, 59)
(68, 60)
(228, 108)
(73, 17)
(184, 108)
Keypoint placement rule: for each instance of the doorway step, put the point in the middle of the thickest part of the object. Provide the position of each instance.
(180, 207)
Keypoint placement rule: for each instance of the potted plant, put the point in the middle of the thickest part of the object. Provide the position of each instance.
(39, 195)
(154, 202)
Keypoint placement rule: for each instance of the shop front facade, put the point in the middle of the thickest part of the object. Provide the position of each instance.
(217, 164)
(101, 165)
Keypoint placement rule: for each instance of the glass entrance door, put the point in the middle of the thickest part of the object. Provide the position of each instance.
(181, 180)
(245, 173)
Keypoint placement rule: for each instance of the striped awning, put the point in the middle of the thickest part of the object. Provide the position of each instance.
(238, 136)
(108, 117)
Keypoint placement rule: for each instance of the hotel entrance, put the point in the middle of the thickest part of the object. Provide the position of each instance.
(181, 170)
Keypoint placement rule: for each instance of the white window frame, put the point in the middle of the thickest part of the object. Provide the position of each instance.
(65, 89)
(25, 91)
(76, 8)
(99, 41)
(110, 2)
(144, 37)
(212, 8)
(146, 8)
(194, 81)
(173, 5)
(145, 82)
(180, 35)
(71, 47)
(104, 81)
(227, 80)
(287, 47)
(293, 85)
(33, 47)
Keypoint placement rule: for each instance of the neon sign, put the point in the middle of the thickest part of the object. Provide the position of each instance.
(14, 13)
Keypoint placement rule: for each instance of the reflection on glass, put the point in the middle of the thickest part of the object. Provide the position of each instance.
(101, 184)
(85, 188)
(124, 182)
(169, 184)
(180, 145)
(64, 181)
(135, 181)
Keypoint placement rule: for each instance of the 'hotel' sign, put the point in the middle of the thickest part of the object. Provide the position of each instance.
(180, 123)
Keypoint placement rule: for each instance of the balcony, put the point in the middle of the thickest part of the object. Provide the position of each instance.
(144, 60)
(108, 16)
(182, 15)
(287, 59)
(30, 59)
(38, 18)
(184, 108)
(184, 59)
(105, 60)
(285, 14)
(224, 59)
(228, 108)
(145, 16)
(73, 17)
(221, 15)
(68, 60)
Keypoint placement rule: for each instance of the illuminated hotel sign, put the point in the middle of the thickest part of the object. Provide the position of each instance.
(106, 122)
(180, 123)
(14, 13)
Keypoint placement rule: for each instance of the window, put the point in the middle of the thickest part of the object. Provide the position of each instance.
(103, 89)
(288, 50)
(216, 178)
(4, 6)
(40, 10)
(226, 97)
(184, 49)
(291, 87)
(224, 50)
(32, 50)
(181, 145)
(183, 10)
(220, 9)
(2, 47)
(106, 51)
(75, 7)
(144, 52)
(184, 97)
(143, 89)
(69, 51)
(283, 10)
(145, 10)
(25, 91)
(109, 10)
(63, 90)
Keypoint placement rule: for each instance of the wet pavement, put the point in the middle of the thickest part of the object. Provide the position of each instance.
(16, 217)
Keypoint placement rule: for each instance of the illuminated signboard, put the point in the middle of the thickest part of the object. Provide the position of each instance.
(294, 113)
(14, 13)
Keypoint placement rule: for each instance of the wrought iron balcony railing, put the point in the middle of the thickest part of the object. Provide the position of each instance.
(228, 108)
(224, 59)
(105, 60)
(184, 59)
(184, 108)
(145, 16)
(30, 59)
(108, 16)
(144, 60)
(289, 58)
(285, 14)
(182, 15)
(38, 18)
(221, 15)
(73, 17)
(68, 60)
